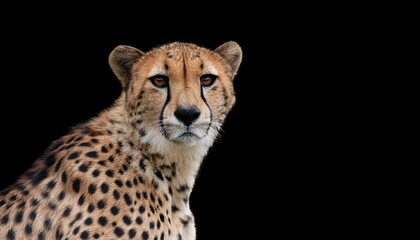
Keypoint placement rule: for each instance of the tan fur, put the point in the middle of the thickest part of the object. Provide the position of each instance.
(134, 165)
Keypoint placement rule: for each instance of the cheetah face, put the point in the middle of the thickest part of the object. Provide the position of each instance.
(179, 92)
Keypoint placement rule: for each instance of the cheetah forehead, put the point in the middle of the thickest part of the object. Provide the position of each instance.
(181, 55)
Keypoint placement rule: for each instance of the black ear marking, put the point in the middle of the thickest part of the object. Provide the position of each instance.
(121, 61)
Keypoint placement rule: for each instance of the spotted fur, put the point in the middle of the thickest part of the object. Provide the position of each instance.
(128, 173)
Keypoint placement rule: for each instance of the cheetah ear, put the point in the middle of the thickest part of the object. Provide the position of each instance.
(232, 53)
(121, 60)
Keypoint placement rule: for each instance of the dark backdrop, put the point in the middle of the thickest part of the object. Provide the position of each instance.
(295, 157)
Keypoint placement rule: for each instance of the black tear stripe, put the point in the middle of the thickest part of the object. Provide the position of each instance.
(168, 98)
(211, 113)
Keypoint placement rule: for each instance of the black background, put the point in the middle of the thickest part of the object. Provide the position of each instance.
(309, 149)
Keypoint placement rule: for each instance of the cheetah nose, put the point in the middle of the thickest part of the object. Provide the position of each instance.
(187, 115)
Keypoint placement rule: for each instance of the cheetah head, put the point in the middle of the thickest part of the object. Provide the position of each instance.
(177, 93)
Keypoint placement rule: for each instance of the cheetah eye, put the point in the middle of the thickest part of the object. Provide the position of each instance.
(160, 81)
(207, 80)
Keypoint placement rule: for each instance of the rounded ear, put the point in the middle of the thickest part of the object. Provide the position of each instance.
(232, 53)
(121, 60)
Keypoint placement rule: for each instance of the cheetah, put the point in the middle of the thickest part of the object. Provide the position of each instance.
(128, 172)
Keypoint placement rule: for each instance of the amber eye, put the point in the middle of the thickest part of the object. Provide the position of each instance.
(160, 81)
(207, 80)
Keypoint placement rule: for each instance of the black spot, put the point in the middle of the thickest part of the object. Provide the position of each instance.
(143, 164)
(76, 230)
(58, 165)
(77, 218)
(94, 140)
(102, 163)
(125, 167)
(28, 229)
(162, 236)
(95, 173)
(158, 225)
(51, 184)
(52, 206)
(101, 204)
(142, 209)
(127, 199)
(114, 224)
(45, 194)
(111, 158)
(47, 224)
(102, 221)
(159, 175)
(183, 188)
(25, 192)
(18, 217)
(12, 198)
(109, 173)
(81, 200)
(49, 160)
(66, 212)
(115, 210)
(145, 195)
(162, 218)
(32, 215)
(88, 221)
(138, 195)
(21, 205)
(92, 188)
(34, 202)
(83, 168)
(139, 221)
(142, 132)
(152, 197)
(104, 188)
(145, 235)
(185, 221)
(131, 233)
(61, 196)
(126, 220)
(119, 183)
(41, 236)
(84, 235)
(104, 149)
(118, 231)
(58, 234)
(64, 177)
(85, 144)
(92, 154)
(152, 225)
(170, 191)
(39, 176)
(141, 179)
(179, 237)
(2, 202)
(160, 202)
(10, 235)
(96, 236)
(91, 208)
(4, 220)
(152, 209)
(68, 146)
(116, 194)
(73, 155)
(76, 185)
(70, 139)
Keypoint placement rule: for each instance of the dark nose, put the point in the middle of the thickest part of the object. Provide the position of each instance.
(187, 115)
